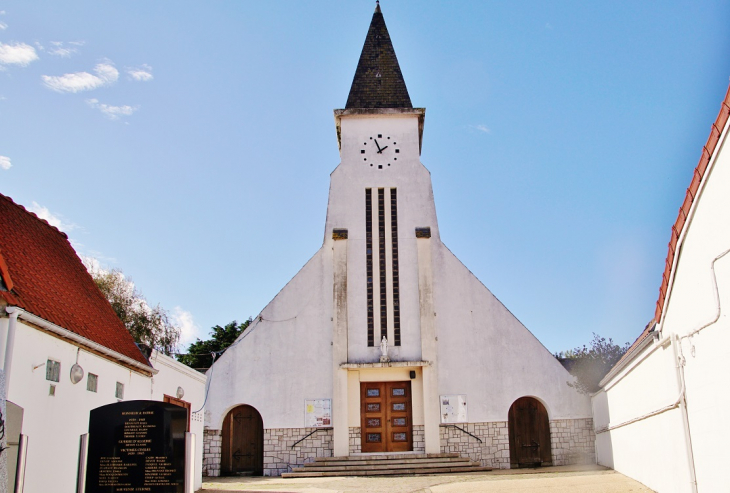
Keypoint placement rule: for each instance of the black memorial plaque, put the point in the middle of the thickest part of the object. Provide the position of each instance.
(136, 446)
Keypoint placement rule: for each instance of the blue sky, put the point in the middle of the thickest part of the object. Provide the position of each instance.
(190, 143)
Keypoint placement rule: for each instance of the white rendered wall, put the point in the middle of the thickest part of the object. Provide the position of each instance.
(54, 424)
(486, 353)
(346, 209)
(650, 450)
(284, 358)
(654, 451)
(692, 304)
(171, 375)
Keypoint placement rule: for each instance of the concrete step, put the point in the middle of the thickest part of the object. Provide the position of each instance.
(397, 455)
(387, 472)
(381, 462)
(315, 467)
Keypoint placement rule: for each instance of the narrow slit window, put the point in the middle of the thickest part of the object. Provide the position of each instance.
(369, 264)
(394, 258)
(381, 264)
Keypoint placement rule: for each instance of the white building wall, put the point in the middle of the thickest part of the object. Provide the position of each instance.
(692, 305)
(284, 357)
(655, 451)
(54, 424)
(486, 353)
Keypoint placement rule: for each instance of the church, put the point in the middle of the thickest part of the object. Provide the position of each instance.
(384, 342)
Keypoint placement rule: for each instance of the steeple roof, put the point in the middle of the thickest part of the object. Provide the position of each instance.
(378, 82)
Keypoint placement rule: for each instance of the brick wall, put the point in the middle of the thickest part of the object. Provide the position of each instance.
(355, 440)
(212, 443)
(493, 451)
(280, 457)
(572, 441)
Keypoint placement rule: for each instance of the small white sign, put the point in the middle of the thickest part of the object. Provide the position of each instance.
(318, 413)
(453, 408)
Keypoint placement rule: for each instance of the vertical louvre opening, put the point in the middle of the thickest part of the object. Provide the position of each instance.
(396, 286)
(381, 264)
(369, 262)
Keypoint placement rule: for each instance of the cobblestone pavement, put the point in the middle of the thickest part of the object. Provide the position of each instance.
(561, 479)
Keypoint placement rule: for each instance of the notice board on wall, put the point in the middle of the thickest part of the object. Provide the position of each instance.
(318, 413)
(453, 408)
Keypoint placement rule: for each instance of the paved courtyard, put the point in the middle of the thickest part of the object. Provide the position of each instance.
(563, 479)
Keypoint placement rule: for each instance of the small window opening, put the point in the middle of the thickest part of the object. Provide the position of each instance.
(119, 393)
(53, 371)
(91, 382)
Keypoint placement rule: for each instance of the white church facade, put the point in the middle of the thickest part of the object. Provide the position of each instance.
(384, 341)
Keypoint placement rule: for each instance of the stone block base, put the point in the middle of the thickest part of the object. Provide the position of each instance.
(212, 446)
(571, 441)
(280, 457)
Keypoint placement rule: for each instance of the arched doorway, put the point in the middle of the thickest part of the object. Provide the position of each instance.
(529, 434)
(243, 442)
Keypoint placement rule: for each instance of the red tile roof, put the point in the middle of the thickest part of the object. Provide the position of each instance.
(699, 173)
(45, 277)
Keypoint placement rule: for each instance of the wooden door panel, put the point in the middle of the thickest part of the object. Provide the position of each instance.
(386, 416)
(243, 441)
(529, 433)
(373, 414)
(400, 429)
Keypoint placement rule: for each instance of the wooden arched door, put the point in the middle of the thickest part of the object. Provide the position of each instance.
(529, 434)
(243, 442)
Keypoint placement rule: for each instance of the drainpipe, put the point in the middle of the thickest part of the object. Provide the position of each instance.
(680, 362)
(10, 344)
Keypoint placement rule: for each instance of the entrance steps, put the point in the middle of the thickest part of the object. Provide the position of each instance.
(398, 464)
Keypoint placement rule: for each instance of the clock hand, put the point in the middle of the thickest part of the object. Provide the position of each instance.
(383, 148)
(376, 143)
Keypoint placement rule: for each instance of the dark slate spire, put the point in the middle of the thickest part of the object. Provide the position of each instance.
(378, 82)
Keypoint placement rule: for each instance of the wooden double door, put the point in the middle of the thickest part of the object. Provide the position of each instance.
(243, 442)
(386, 417)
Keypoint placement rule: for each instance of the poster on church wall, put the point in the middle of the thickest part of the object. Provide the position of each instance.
(318, 413)
(453, 408)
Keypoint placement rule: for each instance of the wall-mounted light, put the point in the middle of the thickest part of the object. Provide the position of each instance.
(77, 373)
(180, 393)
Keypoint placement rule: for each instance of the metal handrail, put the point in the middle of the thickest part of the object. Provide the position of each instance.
(307, 436)
(462, 429)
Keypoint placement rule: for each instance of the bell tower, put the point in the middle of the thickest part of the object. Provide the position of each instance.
(381, 200)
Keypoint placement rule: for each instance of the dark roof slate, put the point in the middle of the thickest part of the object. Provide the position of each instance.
(43, 275)
(378, 81)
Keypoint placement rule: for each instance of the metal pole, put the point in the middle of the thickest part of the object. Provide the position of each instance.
(83, 451)
(189, 462)
(20, 469)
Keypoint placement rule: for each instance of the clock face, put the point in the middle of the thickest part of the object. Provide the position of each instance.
(380, 151)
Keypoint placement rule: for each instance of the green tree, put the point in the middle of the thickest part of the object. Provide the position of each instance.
(149, 325)
(589, 364)
(199, 355)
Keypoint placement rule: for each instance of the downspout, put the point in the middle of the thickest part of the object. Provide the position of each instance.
(680, 362)
(13, 313)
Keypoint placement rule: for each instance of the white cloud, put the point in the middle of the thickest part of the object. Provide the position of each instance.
(5, 162)
(189, 330)
(3, 26)
(106, 74)
(58, 48)
(143, 73)
(112, 112)
(482, 128)
(17, 54)
(55, 220)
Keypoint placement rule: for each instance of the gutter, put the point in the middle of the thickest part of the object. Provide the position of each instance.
(630, 358)
(17, 312)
